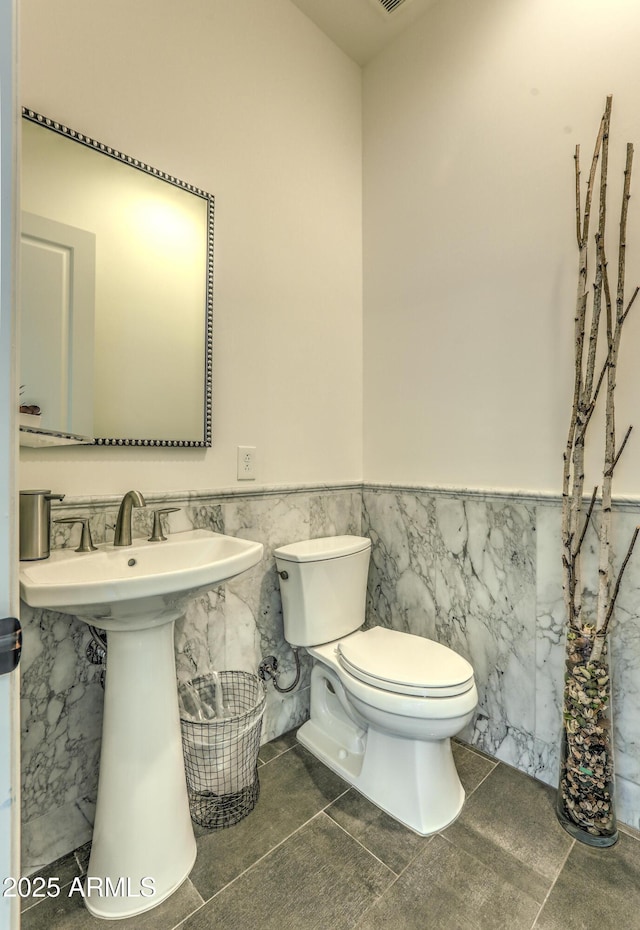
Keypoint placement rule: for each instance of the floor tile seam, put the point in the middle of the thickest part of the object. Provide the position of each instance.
(362, 845)
(396, 875)
(487, 867)
(30, 907)
(193, 911)
(257, 861)
(553, 883)
(477, 752)
(483, 779)
(279, 843)
(632, 832)
(279, 756)
(191, 914)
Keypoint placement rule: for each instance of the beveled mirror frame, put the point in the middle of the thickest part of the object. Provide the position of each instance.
(135, 163)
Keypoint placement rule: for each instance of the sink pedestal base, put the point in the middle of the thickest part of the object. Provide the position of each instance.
(143, 843)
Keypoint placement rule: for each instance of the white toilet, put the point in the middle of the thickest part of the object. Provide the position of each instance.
(384, 704)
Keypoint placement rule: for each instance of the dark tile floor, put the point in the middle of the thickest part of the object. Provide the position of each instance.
(316, 854)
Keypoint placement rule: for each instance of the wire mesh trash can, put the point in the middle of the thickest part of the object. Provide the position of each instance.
(221, 750)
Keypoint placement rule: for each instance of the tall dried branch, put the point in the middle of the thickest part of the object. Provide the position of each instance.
(587, 518)
(587, 388)
(630, 304)
(583, 400)
(609, 472)
(610, 457)
(616, 589)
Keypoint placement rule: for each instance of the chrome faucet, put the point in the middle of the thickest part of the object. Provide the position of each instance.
(123, 523)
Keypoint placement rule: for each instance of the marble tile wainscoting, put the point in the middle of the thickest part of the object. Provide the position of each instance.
(482, 573)
(230, 627)
(475, 570)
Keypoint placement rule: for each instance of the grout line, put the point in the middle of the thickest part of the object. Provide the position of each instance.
(553, 883)
(362, 846)
(630, 831)
(483, 779)
(194, 911)
(244, 871)
(264, 762)
(260, 859)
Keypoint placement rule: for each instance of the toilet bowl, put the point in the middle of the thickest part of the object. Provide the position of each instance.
(384, 704)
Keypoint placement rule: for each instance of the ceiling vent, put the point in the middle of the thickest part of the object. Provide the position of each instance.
(390, 5)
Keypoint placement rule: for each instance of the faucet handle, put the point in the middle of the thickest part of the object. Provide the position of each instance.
(86, 543)
(156, 534)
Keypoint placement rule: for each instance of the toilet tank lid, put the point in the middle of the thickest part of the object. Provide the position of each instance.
(327, 547)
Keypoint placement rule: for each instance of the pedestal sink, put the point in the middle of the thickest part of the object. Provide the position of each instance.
(143, 845)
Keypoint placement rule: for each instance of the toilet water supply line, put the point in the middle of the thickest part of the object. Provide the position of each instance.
(100, 640)
(96, 651)
(267, 670)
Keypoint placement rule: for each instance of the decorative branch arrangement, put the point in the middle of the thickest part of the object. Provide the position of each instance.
(585, 796)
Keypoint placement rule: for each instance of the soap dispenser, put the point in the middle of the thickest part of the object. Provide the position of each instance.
(35, 524)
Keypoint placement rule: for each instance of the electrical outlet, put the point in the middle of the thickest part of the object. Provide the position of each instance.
(247, 470)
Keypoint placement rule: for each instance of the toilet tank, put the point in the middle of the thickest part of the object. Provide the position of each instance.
(323, 583)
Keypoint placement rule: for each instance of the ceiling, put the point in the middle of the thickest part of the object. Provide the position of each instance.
(361, 28)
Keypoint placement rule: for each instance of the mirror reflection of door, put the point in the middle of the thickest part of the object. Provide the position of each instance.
(57, 323)
(153, 321)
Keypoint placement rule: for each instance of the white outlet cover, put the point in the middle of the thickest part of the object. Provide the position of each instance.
(246, 464)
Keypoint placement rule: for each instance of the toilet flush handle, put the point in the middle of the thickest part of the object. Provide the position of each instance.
(284, 575)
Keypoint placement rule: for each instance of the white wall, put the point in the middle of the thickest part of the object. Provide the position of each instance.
(250, 101)
(470, 123)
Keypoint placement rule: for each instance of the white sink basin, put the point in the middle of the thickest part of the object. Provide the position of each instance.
(129, 586)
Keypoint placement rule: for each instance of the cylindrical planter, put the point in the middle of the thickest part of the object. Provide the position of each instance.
(585, 802)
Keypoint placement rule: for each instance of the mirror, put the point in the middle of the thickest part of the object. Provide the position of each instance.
(117, 295)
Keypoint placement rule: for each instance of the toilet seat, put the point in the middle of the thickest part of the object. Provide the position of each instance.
(403, 663)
